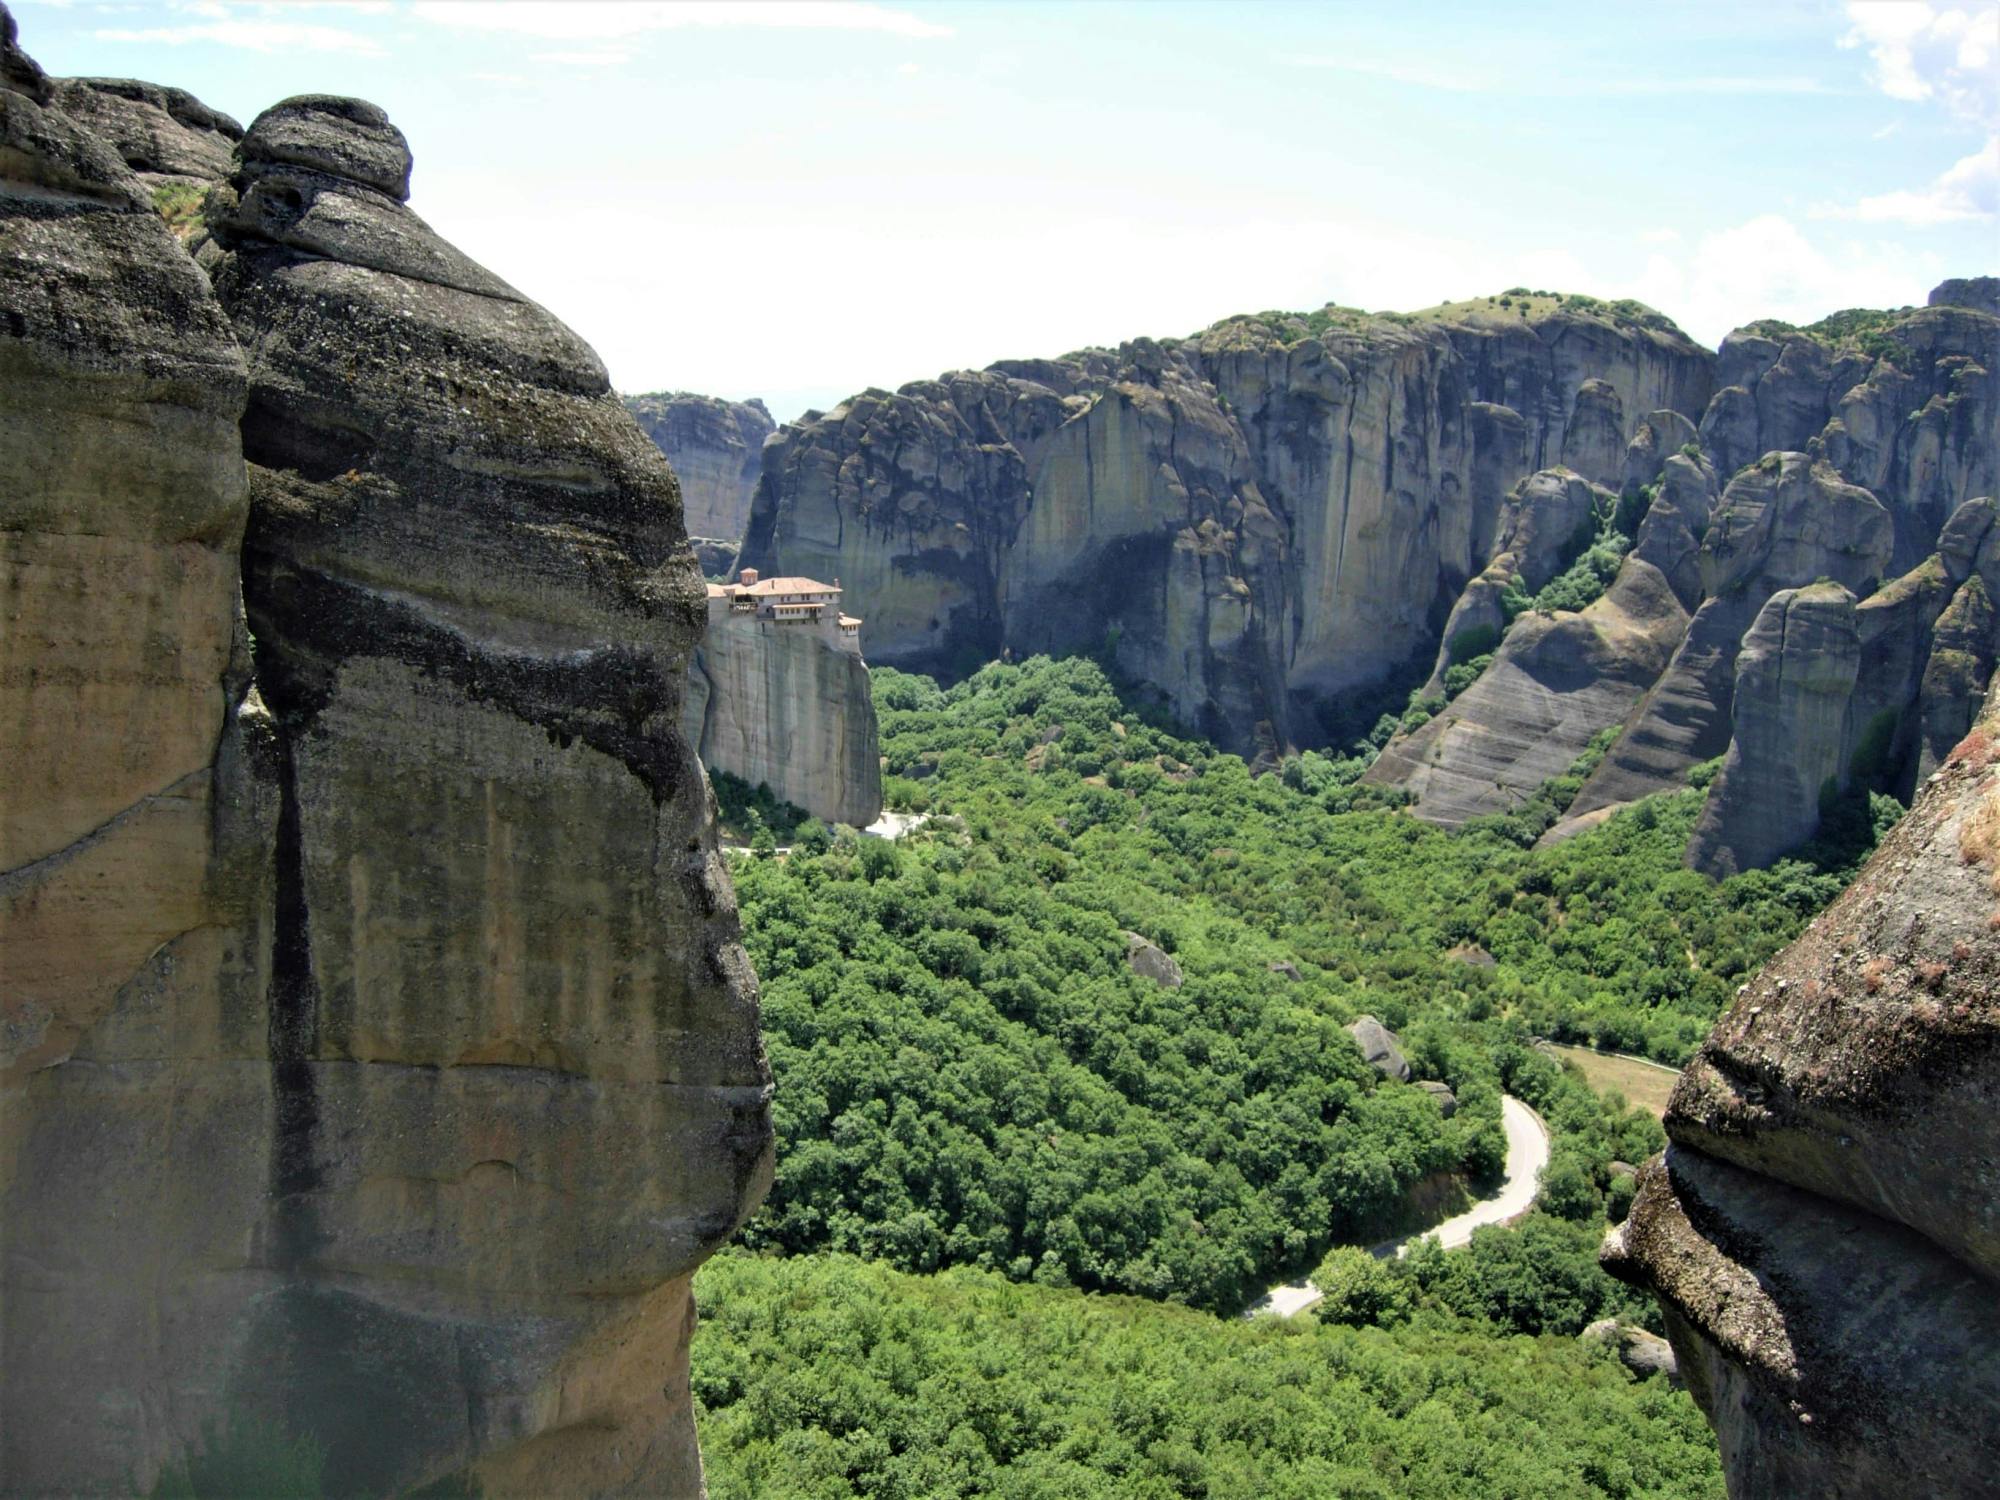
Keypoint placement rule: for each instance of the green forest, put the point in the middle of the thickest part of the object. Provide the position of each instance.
(994, 1132)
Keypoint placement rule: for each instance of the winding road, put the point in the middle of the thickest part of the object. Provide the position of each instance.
(1527, 1154)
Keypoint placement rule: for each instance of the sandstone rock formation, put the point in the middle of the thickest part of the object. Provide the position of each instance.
(1255, 521)
(135, 828)
(716, 449)
(379, 1057)
(788, 705)
(1795, 673)
(1822, 1233)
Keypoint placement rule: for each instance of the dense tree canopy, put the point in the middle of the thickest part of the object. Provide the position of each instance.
(829, 1377)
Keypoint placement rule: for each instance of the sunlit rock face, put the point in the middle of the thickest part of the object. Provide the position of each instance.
(378, 1055)
(1253, 522)
(1822, 1231)
(788, 705)
(135, 817)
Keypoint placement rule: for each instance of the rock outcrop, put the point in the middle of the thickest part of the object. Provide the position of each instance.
(1822, 1232)
(788, 705)
(1150, 961)
(135, 826)
(1380, 1049)
(1255, 521)
(1795, 674)
(379, 1057)
(716, 448)
(166, 136)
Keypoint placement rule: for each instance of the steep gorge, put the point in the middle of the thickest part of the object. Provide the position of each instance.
(380, 1057)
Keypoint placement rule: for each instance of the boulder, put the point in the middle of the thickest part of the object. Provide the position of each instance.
(1447, 1100)
(1150, 961)
(1379, 1048)
(1641, 1352)
(164, 135)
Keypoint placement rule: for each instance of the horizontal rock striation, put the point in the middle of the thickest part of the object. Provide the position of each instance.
(716, 448)
(377, 1055)
(1822, 1232)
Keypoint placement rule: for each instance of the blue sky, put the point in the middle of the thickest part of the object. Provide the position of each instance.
(800, 200)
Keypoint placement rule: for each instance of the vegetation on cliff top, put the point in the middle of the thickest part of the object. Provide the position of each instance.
(1516, 304)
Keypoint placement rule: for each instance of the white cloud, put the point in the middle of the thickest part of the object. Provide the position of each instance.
(1920, 53)
(1768, 268)
(582, 59)
(252, 36)
(1465, 80)
(1969, 190)
(599, 20)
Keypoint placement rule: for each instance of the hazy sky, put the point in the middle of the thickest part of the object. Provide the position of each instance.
(799, 200)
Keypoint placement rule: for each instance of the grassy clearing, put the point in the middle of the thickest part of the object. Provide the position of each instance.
(1645, 1085)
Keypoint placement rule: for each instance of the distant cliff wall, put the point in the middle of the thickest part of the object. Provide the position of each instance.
(716, 449)
(1254, 521)
(787, 705)
(377, 1054)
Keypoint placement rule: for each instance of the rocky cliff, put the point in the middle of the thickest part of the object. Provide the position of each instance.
(788, 705)
(716, 449)
(379, 1057)
(1826, 482)
(1254, 521)
(1822, 1231)
(1263, 521)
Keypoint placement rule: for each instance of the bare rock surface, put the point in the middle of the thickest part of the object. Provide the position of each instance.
(1379, 1048)
(1254, 521)
(135, 900)
(162, 134)
(1150, 961)
(786, 705)
(377, 1055)
(1795, 675)
(1822, 1231)
(716, 448)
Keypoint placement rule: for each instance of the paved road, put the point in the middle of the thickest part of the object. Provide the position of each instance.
(1527, 1154)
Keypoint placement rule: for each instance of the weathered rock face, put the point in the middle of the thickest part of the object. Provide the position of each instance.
(474, 608)
(716, 448)
(135, 898)
(379, 1057)
(787, 705)
(1823, 1232)
(1253, 521)
(1795, 674)
(1379, 1048)
(164, 135)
